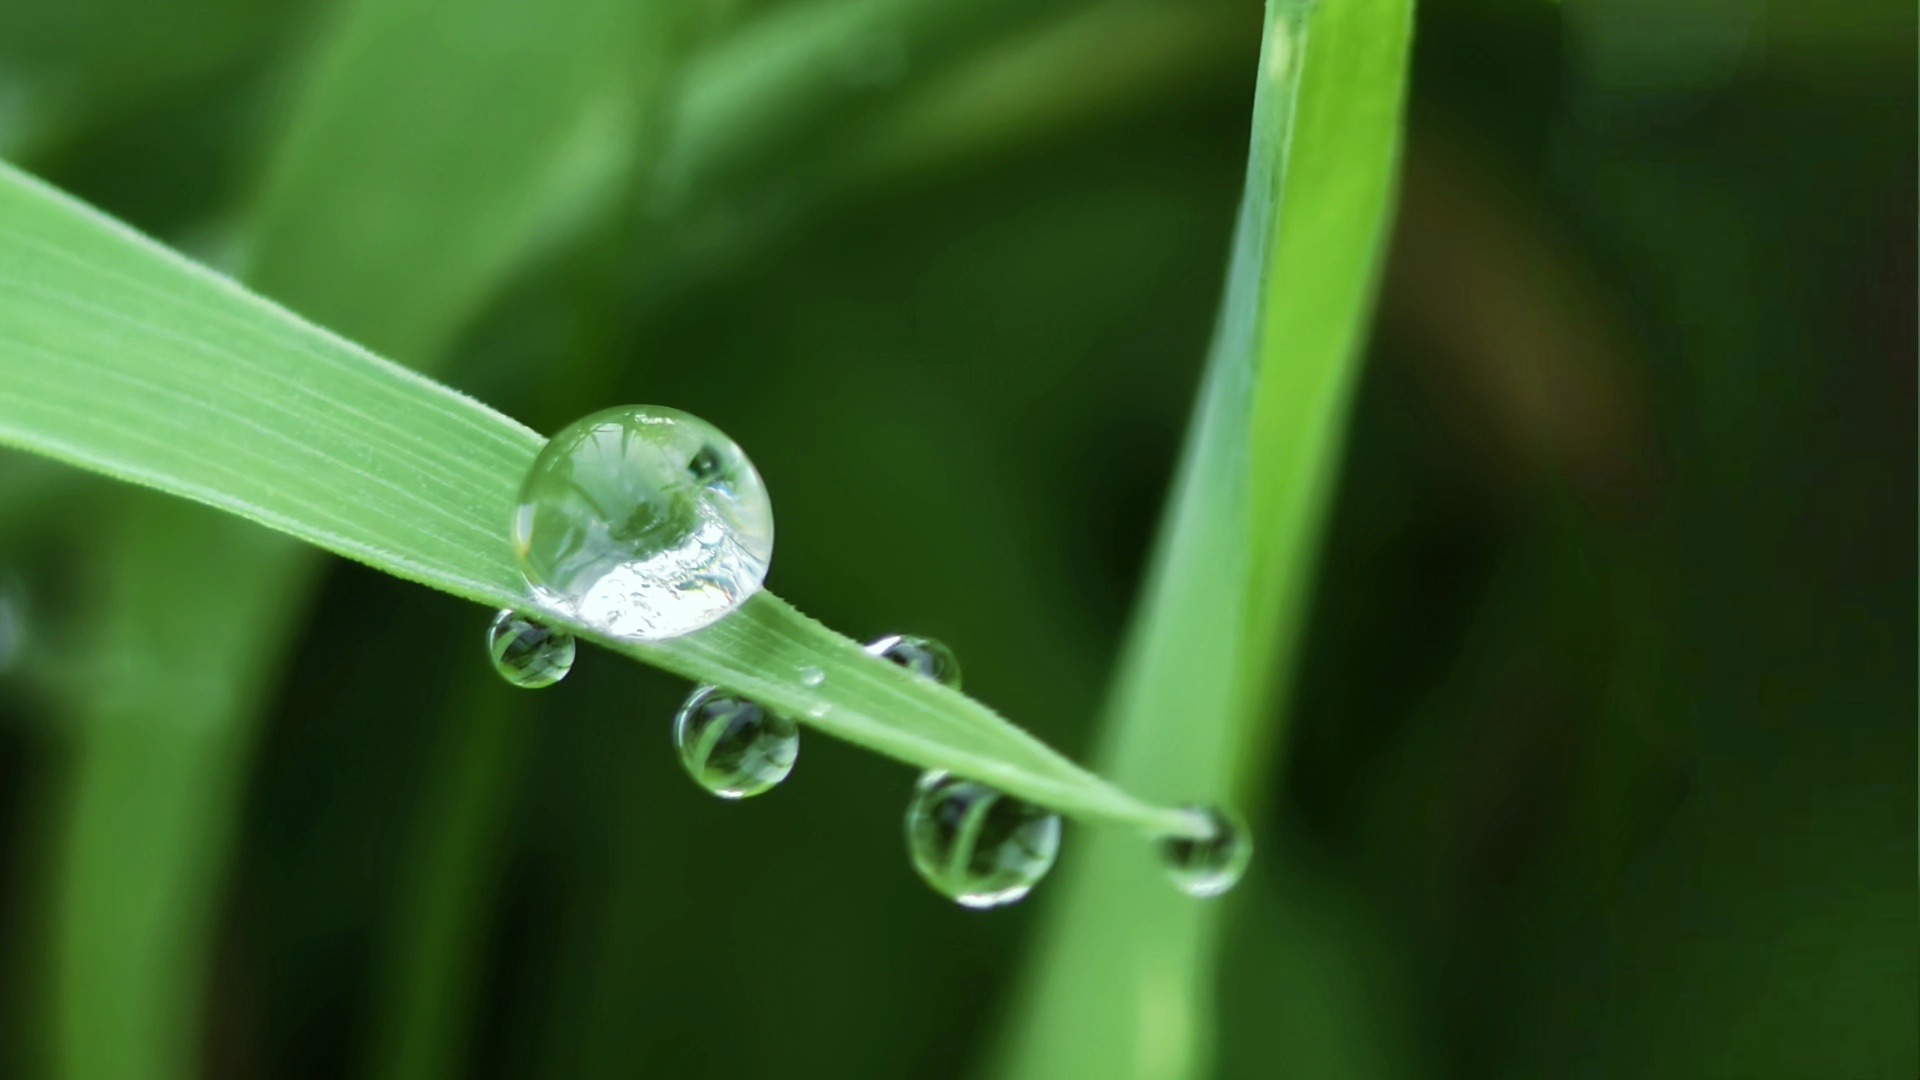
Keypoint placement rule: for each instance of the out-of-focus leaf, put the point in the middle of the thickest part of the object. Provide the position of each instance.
(443, 141)
(780, 82)
(68, 67)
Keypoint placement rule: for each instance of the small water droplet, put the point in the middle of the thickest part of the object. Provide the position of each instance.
(818, 710)
(920, 655)
(812, 676)
(643, 522)
(980, 846)
(527, 653)
(1209, 865)
(731, 746)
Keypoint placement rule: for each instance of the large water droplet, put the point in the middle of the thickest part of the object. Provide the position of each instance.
(643, 522)
(732, 746)
(526, 653)
(977, 845)
(920, 655)
(1212, 864)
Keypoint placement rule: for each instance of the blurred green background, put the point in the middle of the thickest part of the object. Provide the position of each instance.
(1602, 760)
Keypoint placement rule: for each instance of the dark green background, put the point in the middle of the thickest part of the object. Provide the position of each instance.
(1603, 761)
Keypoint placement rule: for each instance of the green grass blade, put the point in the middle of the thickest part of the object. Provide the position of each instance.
(127, 359)
(142, 851)
(1334, 225)
(434, 974)
(1122, 952)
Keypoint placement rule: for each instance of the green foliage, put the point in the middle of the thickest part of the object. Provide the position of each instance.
(1583, 740)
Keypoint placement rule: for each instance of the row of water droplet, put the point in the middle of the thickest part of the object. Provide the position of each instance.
(977, 845)
(647, 523)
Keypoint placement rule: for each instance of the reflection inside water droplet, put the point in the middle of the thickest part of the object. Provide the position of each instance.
(1212, 864)
(977, 845)
(527, 653)
(921, 655)
(731, 746)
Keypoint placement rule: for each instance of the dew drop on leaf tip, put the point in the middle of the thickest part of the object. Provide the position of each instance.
(644, 523)
(1211, 864)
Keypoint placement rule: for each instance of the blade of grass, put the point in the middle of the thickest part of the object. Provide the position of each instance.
(131, 361)
(1122, 951)
(1335, 222)
(141, 848)
(361, 221)
(433, 976)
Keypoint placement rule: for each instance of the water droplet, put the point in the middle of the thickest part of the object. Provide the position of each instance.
(977, 845)
(527, 653)
(818, 710)
(812, 676)
(1209, 865)
(643, 522)
(732, 746)
(920, 655)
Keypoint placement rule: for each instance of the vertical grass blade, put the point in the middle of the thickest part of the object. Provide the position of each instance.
(1335, 221)
(437, 145)
(432, 979)
(1121, 983)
